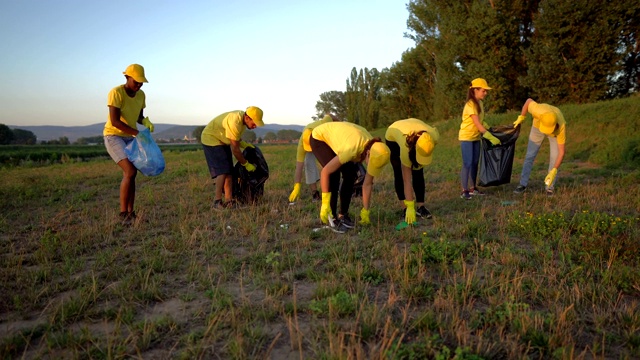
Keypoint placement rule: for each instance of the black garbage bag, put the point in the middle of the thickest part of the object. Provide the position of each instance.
(496, 162)
(357, 185)
(248, 187)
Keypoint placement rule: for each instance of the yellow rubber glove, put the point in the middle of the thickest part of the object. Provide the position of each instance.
(489, 136)
(295, 193)
(325, 209)
(249, 166)
(519, 121)
(147, 124)
(550, 177)
(410, 214)
(244, 144)
(364, 217)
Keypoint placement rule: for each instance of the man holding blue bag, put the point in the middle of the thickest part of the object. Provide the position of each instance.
(126, 104)
(220, 139)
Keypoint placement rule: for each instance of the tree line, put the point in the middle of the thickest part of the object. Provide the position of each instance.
(556, 51)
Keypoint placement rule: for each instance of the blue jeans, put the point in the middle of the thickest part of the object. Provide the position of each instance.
(470, 158)
(535, 141)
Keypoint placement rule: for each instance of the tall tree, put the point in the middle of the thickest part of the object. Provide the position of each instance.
(408, 87)
(575, 50)
(363, 97)
(332, 102)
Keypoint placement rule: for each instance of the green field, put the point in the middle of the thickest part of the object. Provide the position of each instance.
(501, 276)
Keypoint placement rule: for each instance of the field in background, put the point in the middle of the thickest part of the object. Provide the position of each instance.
(501, 276)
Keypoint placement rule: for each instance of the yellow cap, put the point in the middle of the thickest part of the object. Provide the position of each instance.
(255, 113)
(479, 83)
(136, 72)
(306, 140)
(548, 123)
(424, 149)
(378, 157)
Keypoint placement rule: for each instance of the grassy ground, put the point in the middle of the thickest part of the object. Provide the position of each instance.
(501, 276)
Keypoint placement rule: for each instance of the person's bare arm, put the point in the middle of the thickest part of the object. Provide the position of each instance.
(235, 150)
(331, 167)
(114, 116)
(406, 180)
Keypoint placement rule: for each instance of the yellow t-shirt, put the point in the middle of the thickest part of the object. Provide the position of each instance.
(537, 110)
(468, 130)
(130, 108)
(398, 131)
(347, 140)
(301, 153)
(223, 128)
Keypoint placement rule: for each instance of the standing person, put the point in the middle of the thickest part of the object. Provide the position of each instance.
(221, 138)
(307, 161)
(548, 122)
(471, 128)
(411, 143)
(338, 146)
(126, 104)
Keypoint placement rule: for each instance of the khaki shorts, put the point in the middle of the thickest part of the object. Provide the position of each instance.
(115, 146)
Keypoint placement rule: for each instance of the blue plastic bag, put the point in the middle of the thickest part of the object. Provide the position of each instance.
(145, 154)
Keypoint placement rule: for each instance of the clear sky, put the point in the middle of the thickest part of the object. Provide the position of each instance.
(60, 58)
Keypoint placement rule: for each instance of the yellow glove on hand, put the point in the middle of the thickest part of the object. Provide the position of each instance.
(519, 121)
(249, 166)
(244, 144)
(489, 136)
(410, 215)
(325, 209)
(295, 193)
(550, 177)
(364, 217)
(147, 124)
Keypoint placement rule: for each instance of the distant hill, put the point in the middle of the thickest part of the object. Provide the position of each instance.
(161, 131)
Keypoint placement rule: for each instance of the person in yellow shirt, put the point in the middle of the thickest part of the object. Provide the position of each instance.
(338, 146)
(126, 104)
(411, 143)
(220, 139)
(548, 122)
(471, 128)
(307, 161)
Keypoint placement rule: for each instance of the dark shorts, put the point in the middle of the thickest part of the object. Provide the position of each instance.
(219, 160)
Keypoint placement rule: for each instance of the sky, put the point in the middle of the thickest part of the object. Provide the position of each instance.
(60, 58)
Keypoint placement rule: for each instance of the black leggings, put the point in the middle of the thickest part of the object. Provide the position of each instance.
(417, 176)
(348, 170)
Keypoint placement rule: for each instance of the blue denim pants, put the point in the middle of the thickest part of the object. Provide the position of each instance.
(470, 158)
(535, 141)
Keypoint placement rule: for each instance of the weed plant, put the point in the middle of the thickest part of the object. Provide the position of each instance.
(501, 276)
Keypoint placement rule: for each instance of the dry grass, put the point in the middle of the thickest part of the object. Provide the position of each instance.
(542, 278)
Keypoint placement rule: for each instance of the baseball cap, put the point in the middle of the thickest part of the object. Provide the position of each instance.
(379, 155)
(255, 113)
(136, 72)
(548, 123)
(424, 149)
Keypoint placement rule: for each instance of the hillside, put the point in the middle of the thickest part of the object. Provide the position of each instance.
(162, 131)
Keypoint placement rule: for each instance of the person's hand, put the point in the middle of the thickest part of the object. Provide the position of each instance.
(364, 217)
(244, 144)
(249, 166)
(295, 193)
(519, 121)
(325, 209)
(147, 124)
(550, 177)
(489, 136)
(410, 214)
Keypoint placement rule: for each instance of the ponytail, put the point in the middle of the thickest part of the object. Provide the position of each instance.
(367, 147)
(412, 139)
